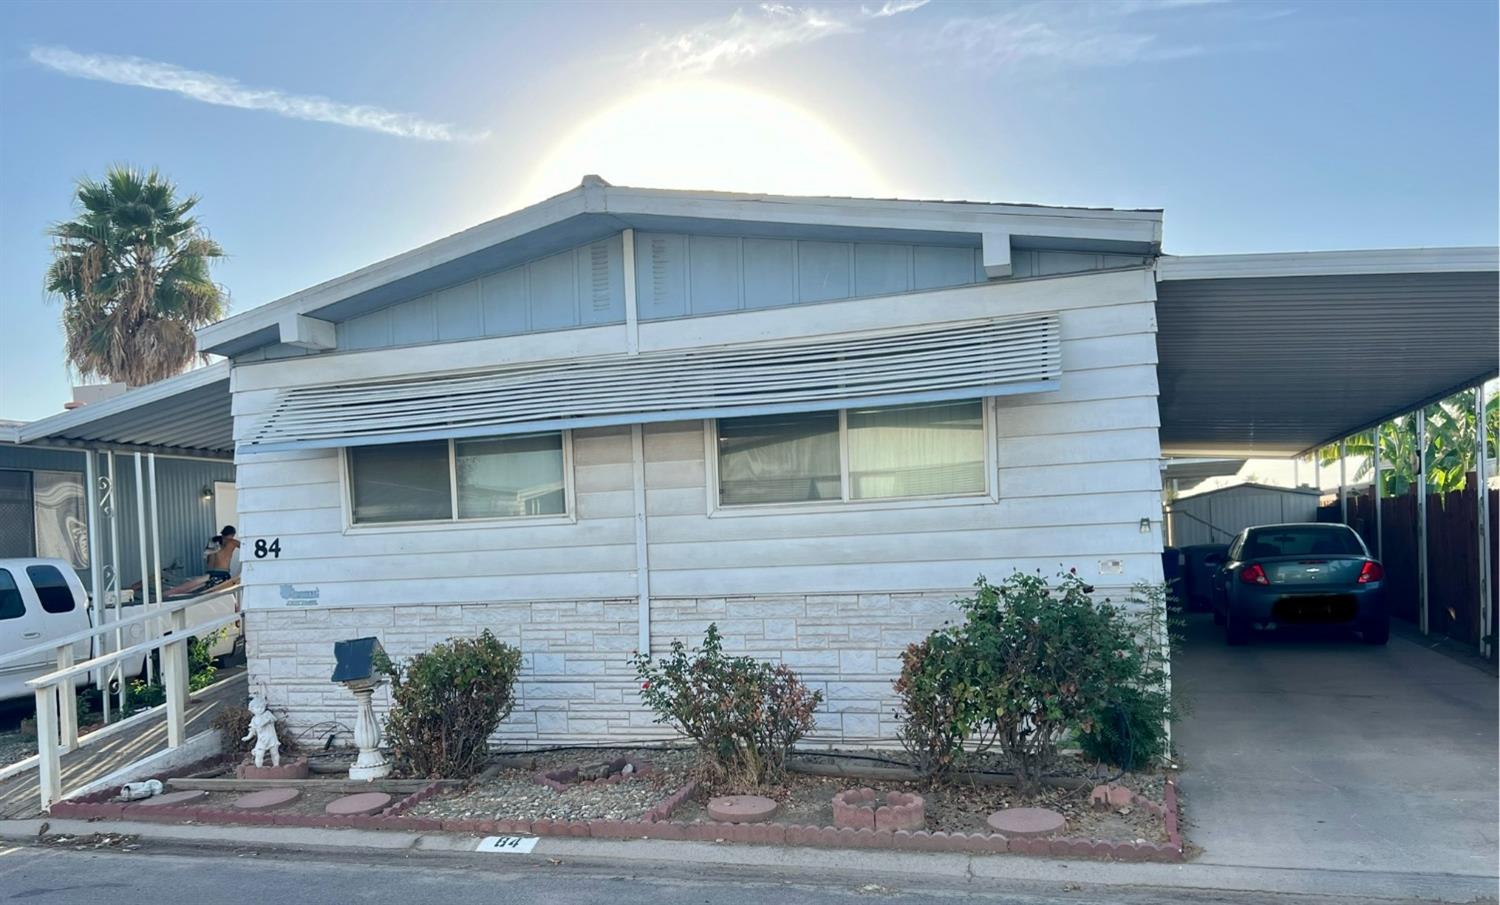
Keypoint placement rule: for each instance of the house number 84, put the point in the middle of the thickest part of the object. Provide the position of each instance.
(263, 549)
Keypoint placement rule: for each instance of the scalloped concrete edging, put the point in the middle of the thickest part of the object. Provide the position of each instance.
(654, 824)
(861, 808)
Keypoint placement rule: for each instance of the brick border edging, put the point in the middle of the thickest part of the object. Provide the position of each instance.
(654, 824)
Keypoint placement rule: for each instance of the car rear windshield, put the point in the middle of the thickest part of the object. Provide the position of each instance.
(1312, 540)
(51, 588)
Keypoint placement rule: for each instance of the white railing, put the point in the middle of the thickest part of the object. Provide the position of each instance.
(56, 705)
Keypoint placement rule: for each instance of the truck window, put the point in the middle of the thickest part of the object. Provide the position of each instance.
(11, 606)
(51, 588)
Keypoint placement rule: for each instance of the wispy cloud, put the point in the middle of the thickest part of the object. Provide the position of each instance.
(227, 92)
(1089, 33)
(743, 36)
(1038, 33)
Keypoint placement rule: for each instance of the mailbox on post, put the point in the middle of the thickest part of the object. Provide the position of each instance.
(354, 668)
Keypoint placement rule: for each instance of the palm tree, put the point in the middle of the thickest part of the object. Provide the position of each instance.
(1451, 446)
(132, 273)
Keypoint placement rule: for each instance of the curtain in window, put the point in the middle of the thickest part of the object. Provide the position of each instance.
(922, 450)
(401, 482)
(779, 458)
(62, 529)
(510, 476)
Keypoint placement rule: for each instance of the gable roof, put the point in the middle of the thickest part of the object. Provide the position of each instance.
(595, 209)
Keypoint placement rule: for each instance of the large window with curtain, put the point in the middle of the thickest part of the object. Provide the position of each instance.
(457, 480)
(933, 449)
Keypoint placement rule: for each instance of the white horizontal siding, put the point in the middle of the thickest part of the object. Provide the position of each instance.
(1076, 470)
(298, 498)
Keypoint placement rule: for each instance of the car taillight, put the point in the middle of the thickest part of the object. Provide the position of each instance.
(1254, 574)
(1371, 572)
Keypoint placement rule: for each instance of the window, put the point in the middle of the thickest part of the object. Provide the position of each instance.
(779, 458)
(51, 589)
(1304, 540)
(11, 605)
(401, 482)
(17, 521)
(445, 480)
(891, 452)
(510, 476)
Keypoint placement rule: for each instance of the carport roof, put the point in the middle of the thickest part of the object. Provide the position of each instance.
(188, 414)
(1276, 354)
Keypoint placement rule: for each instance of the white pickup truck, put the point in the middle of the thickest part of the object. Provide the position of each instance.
(41, 599)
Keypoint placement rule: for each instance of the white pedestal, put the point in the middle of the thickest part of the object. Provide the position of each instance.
(370, 764)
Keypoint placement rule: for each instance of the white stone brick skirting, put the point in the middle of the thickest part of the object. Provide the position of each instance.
(576, 685)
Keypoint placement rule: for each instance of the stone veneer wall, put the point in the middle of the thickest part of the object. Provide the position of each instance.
(576, 685)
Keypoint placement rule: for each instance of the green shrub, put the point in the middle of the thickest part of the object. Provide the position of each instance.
(446, 702)
(1029, 664)
(1129, 728)
(930, 729)
(201, 668)
(743, 714)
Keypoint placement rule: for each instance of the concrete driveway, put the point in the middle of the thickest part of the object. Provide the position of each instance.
(1327, 754)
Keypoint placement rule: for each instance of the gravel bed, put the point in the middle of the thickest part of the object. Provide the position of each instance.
(514, 793)
(15, 747)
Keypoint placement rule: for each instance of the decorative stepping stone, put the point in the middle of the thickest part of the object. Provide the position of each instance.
(1026, 822)
(267, 798)
(358, 804)
(187, 796)
(741, 808)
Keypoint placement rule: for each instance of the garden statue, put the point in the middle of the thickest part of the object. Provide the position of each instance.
(263, 730)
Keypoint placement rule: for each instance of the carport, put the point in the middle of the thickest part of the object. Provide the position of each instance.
(1279, 355)
(1319, 753)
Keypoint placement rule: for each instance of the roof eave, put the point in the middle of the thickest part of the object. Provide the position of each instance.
(1462, 259)
(1140, 228)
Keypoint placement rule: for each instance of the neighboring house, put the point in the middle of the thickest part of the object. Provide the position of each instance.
(44, 508)
(607, 420)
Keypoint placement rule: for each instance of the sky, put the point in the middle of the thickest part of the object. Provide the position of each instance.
(322, 137)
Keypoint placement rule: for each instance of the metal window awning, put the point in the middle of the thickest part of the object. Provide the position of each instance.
(956, 360)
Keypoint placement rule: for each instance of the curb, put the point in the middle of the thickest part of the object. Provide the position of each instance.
(812, 864)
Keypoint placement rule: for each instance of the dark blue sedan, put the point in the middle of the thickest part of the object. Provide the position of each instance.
(1304, 574)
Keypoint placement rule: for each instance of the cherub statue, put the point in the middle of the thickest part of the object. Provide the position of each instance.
(263, 730)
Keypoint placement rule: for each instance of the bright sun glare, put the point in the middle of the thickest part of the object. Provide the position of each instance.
(707, 135)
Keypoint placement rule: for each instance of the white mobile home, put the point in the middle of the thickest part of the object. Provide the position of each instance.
(599, 423)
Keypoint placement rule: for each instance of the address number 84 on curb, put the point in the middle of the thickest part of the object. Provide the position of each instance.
(507, 844)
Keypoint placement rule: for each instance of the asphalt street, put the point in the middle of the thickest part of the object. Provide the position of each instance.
(49, 875)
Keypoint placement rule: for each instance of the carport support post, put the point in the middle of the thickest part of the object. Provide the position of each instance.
(1379, 519)
(1421, 416)
(1343, 482)
(140, 534)
(1482, 497)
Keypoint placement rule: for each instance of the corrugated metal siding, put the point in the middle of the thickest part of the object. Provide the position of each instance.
(186, 519)
(1216, 517)
(1276, 366)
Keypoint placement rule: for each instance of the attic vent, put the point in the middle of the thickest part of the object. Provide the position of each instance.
(599, 275)
(958, 360)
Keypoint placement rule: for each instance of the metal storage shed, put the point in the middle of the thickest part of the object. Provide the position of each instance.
(1216, 516)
